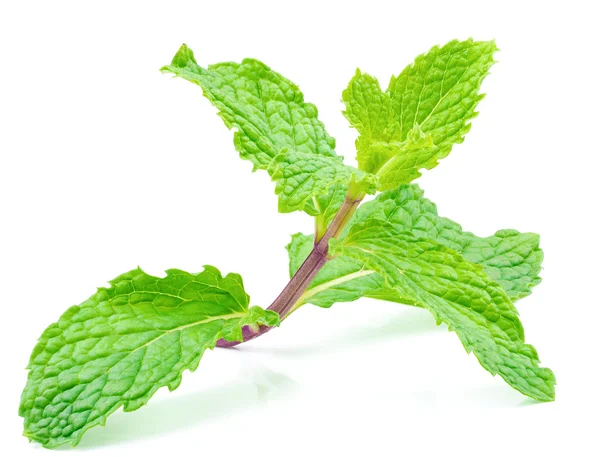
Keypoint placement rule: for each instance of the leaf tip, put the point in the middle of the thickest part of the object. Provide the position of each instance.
(183, 57)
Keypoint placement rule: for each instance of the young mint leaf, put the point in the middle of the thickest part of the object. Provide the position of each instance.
(302, 178)
(458, 293)
(510, 258)
(125, 342)
(370, 111)
(423, 112)
(298, 249)
(275, 129)
(327, 205)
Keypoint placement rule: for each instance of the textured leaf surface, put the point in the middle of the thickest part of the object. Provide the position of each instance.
(275, 129)
(303, 178)
(124, 343)
(458, 293)
(424, 111)
(327, 205)
(510, 258)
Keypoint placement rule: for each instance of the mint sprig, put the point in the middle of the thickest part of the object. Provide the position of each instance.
(138, 335)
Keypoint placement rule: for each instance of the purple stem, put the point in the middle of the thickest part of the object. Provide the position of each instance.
(304, 276)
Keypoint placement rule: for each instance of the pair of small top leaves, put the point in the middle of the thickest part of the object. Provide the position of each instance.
(410, 126)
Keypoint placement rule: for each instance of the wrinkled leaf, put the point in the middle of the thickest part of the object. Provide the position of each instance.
(125, 342)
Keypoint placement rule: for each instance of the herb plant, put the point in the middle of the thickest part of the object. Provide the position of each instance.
(128, 340)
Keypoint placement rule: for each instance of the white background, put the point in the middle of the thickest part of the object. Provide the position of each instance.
(107, 164)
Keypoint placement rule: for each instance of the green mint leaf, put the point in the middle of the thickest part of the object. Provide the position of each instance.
(327, 205)
(424, 111)
(125, 342)
(275, 129)
(266, 109)
(298, 250)
(510, 258)
(458, 293)
(302, 178)
(370, 111)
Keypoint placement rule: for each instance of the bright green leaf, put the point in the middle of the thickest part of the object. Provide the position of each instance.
(422, 114)
(327, 205)
(458, 293)
(369, 110)
(275, 129)
(266, 109)
(303, 178)
(125, 342)
(510, 258)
